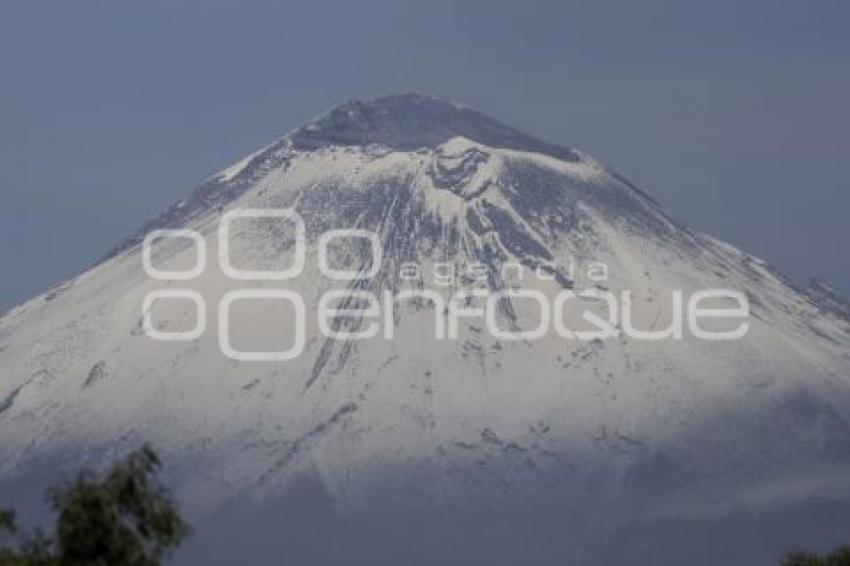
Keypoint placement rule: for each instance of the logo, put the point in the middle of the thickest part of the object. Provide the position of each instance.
(602, 314)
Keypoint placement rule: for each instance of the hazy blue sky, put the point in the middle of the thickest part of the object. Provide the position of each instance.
(734, 114)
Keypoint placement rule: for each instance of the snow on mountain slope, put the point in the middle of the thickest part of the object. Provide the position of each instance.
(615, 431)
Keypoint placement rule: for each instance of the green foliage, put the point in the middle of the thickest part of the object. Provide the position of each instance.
(33, 549)
(120, 518)
(838, 557)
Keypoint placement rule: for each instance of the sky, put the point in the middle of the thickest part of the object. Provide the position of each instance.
(733, 114)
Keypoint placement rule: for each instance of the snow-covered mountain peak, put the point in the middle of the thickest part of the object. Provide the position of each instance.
(412, 121)
(615, 431)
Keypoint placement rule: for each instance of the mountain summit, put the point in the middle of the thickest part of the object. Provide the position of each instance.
(411, 448)
(412, 121)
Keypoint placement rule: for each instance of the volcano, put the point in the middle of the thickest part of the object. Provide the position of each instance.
(480, 449)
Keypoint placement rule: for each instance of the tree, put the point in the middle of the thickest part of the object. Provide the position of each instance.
(123, 517)
(838, 557)
(33, 549)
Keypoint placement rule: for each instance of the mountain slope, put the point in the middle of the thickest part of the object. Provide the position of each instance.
(437, 441)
